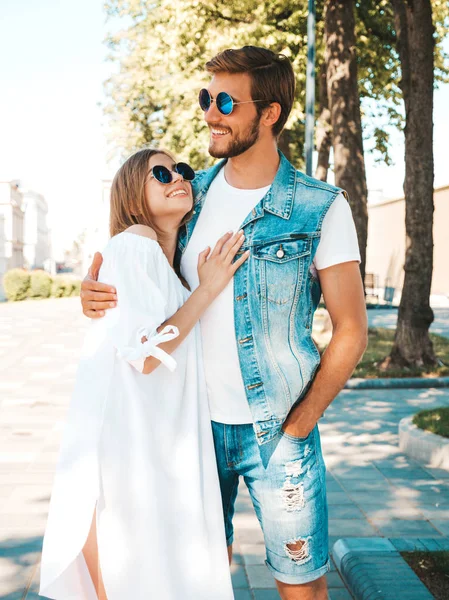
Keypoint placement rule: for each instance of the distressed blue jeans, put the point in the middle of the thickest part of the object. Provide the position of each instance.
(286, 481)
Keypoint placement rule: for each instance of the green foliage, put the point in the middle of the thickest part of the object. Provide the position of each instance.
(65, 286)
(160, 48)
(380, 343)
(40, 285)
(76, 287)
(20, 284)
(58, 286)
(16, 283)
(161, 55)
(435, 421)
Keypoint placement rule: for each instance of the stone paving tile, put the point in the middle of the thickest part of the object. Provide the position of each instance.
(437, 473)
(375, 498)
(253, 554)
(361, 472)
(369, 482)
(333, 486)
(260, 577)
(404, 473)
(441, 526)
(435, 511)
(351, 528)
(266, 595)
(339, 498)
(334, 580)
(364, 485)
(339, 594)
(345, 511)
(238, 576)
(18, 558)
(240, 595)
(249, 536)
(33, 591)
(430, 544)
(408, 545)
(400, 511)
(406, 528)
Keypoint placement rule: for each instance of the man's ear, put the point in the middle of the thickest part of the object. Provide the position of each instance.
(271, 114)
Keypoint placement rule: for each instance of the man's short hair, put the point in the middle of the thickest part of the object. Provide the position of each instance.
(272, 77)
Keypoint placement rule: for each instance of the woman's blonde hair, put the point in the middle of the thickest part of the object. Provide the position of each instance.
(128, 203)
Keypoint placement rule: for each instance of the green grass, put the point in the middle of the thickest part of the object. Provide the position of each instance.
(380, 342)
(435, 421)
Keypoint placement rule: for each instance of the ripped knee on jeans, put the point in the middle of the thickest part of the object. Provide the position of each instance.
(293, 493)
(298, 550)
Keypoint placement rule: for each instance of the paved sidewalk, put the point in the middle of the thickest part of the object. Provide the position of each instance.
(387, 318)
(373, 490)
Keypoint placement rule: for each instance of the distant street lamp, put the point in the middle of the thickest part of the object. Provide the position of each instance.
(310, 87)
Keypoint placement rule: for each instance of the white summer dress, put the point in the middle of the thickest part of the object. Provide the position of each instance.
(138, 449)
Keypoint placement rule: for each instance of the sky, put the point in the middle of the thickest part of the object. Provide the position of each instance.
(52, 130)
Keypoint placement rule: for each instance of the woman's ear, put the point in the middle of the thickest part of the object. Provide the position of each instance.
(133, 209)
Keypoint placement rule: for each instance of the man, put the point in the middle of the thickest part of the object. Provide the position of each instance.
(267, 387)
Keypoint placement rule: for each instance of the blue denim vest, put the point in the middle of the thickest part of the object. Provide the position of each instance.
(275, 295)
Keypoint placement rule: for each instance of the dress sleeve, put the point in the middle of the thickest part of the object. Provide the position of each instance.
(135, 266)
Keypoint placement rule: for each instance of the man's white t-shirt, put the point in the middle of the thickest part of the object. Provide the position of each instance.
(225, 208)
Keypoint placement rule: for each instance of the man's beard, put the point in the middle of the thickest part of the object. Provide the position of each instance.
(239, 145)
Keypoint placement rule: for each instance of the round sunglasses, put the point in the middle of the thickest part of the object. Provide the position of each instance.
(164, 175)
(225, 103)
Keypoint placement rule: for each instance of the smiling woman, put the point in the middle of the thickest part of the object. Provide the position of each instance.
(137, 471)
(136, 179)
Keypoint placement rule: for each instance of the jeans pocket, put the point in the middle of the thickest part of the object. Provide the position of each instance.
(297, 440)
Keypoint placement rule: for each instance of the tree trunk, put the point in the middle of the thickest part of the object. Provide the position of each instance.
(414, 31)
(284, 144)
(323, 128)
(344, 104)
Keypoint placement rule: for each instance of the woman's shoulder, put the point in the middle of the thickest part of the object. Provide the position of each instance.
(133, 239)
(137, 244)
(143, 231)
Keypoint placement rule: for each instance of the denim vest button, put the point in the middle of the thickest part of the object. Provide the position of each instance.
(280, 254)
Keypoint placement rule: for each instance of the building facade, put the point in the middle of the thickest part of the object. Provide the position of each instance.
(11, 228)
(37, 246)
(387, 242)
(97, 235)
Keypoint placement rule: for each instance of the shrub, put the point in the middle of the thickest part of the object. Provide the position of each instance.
(58, 287)
(16, 284)
(65, 286)
(76, 287)
(41, 284)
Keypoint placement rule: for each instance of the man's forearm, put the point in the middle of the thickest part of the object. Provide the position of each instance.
(337, 365)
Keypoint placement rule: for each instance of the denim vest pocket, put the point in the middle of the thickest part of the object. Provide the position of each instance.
(283, 250)
(280, 267)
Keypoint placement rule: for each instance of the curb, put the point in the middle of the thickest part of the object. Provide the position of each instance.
(397, 382)
(373, 568)
(424, 446)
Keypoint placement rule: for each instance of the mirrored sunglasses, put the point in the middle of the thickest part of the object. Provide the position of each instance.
(225, 103)
(164, 175)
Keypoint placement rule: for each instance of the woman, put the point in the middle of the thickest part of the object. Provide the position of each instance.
(136, 510)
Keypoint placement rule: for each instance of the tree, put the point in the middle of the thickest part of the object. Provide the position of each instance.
(415, 44)
(323, 132)
(161, 51)
(344, 106)
(160, 48)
